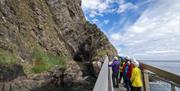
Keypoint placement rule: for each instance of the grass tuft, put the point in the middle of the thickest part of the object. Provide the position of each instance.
(44, 61)
(7, 58)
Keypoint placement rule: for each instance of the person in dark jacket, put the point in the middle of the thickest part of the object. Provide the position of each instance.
(115, 68)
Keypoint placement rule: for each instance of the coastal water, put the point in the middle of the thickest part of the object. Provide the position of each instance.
(172, 66)
(161, 86)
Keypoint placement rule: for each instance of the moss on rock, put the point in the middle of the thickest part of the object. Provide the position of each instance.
(7, 58)
(44, 61)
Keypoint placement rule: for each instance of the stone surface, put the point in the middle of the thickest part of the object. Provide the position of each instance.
(10, 73)
(57, 27)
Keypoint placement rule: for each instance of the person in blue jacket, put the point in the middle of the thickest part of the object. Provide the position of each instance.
(126, 79)
(115, 68)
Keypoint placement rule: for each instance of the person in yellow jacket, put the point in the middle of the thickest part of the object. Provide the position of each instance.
(136, 79)
(121, 68)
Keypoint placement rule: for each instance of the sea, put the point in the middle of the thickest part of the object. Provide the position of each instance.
(172, 66)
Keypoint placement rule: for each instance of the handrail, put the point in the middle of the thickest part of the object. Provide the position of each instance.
(167, 75)
(104, 80)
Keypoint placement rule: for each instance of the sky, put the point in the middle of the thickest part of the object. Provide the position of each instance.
(144, 29)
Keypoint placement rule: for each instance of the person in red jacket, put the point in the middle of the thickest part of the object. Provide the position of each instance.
(126, 79)
(129, 73)
(126, 73)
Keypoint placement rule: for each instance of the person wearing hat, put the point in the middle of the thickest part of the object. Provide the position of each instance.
(115, 68)
(136, 79)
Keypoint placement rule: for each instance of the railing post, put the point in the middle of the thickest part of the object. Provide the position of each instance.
(146, 80)
(173, 87)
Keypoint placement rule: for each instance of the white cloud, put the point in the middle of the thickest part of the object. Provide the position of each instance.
(155, 35)
(115, 36)
(95, 20)
(100, 24)
(106, 21)
(92, 15)
(126, 6)
(95, 6)
(99, 7)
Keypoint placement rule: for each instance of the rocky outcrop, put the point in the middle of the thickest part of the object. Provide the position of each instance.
(59, 79)
(56, 27)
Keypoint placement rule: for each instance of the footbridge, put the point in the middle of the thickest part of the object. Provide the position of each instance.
(154, 79)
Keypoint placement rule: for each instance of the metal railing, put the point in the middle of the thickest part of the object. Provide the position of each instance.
(104, 80)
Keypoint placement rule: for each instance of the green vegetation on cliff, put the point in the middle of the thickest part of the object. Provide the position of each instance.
(7, 58)
(44, 61)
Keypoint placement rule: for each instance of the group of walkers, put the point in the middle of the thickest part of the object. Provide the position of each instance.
(127, 69)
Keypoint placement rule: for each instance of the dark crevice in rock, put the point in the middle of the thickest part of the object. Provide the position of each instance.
(8, 73)
(72, 14)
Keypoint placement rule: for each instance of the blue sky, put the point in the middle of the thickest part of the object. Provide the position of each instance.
(144, 29)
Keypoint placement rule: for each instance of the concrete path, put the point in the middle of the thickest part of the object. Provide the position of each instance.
(121, 88)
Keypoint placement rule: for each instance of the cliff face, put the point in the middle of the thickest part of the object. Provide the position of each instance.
(43, 35)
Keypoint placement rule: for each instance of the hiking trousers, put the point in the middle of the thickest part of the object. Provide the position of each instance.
(127, 84)
(115, 79)
(136, 88)
(121, 74)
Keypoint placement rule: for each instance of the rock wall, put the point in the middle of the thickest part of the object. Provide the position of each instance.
(58, 28)
(8, 73)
